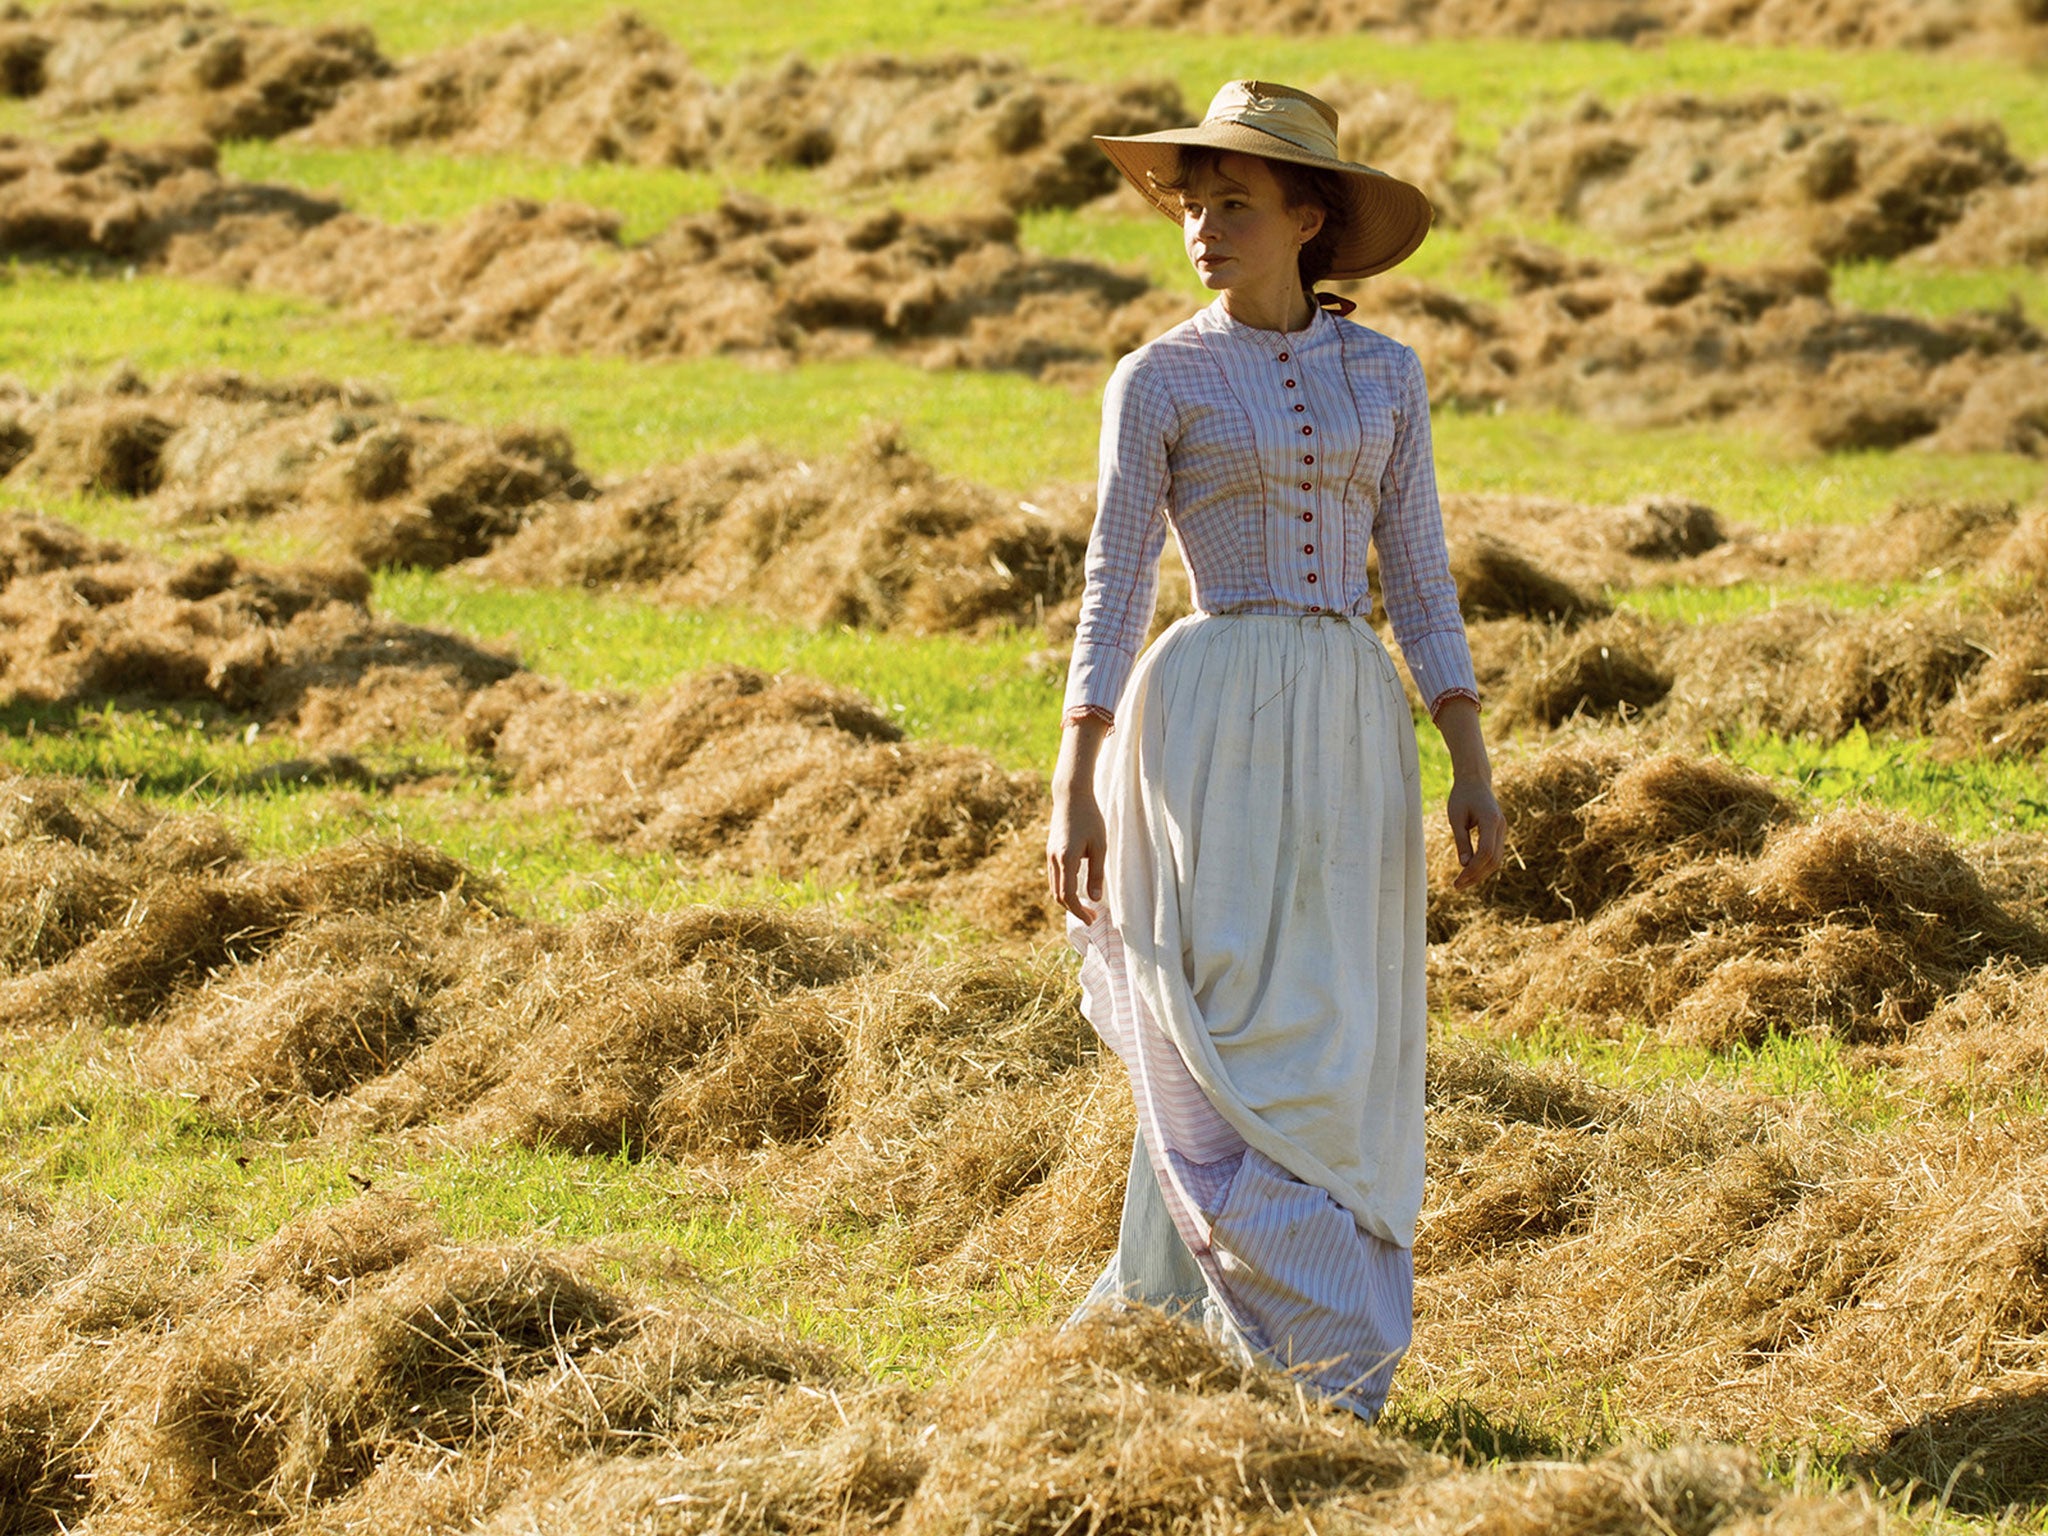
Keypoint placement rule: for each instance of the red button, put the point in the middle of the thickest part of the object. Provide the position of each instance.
(1308, 549)
(1301, 407)
(1307, 431)
(1283, 357)
(1315, 608)
(1311, 575)
(1290, 383)
(1306, 486)
(1308, 517)
(1308, 458)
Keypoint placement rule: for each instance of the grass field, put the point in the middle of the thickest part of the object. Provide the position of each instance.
(943, 1175)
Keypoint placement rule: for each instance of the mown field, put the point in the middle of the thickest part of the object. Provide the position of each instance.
(537, 556)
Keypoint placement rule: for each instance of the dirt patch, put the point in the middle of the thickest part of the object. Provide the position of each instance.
(1695, 343)
(232, 77)
(1918, 24)
(874, 537)
(1796, 170)
(623, 91)
(374, 482)
(748, 278)
(1683, 894)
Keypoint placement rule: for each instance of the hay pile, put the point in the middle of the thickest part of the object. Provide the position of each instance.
(229, 76)
(730, 769)
(623, 91)
(873, 537)
(358, 1370)
(376, 483)
(1684, 894)
(87, 622)
(1883, 1286)
(1969, 674)
(1694, 343)
(1710, 1263)
(737, 771)
(1796, 169)
(961, 1111)
(747, 278)
(1992, 26)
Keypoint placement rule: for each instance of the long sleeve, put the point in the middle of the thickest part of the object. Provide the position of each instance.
(1415, 569)
(1122, 571)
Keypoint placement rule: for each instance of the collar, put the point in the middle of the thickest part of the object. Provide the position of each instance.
(1320, 331)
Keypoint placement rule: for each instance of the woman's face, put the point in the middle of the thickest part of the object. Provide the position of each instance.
(1238, 229)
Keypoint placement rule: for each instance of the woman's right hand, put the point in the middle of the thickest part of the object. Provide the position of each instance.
(1077, 845)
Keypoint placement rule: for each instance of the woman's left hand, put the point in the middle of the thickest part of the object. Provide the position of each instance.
(1478, 828)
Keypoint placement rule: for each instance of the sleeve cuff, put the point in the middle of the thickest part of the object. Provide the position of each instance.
(1079, 712)
(1449, 694)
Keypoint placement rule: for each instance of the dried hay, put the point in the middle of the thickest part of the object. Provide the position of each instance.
(738, 771)
(2006, 228)
(1673, 1244)
(624, 92)
(1695, 343)
(348, 1361)
(1919, 24)
(122, 202)
(1496, 579)
(874, 538)
(1847, 187)
(177, 927)
(1686, 895)
(746, 278)
(233, 77)
(619, 92)
(285, 644)
(382, 485)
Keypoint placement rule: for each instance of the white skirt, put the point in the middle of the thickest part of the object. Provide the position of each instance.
(1259, 966)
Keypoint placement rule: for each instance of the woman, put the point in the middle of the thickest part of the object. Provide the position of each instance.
(1244, 867)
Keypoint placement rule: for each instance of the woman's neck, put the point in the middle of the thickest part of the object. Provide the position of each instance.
(1283, 309)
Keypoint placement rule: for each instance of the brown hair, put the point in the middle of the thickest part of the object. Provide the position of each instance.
(1303, 186)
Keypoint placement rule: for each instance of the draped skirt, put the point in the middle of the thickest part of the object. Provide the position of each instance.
(1258, 965)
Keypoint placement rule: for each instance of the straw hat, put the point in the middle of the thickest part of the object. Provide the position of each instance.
(1386, 217)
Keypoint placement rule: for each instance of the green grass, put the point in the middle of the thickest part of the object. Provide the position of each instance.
(1967, 797)
(624, 415)
(401, 185)
(989, 692)
(1679, 604)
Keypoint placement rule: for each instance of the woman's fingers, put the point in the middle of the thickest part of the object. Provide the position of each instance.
(1480, 831)
(1064, 869)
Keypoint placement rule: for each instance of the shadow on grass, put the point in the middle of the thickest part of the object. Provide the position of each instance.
(1984, 1457)
(186, 749)
(1468, 1433)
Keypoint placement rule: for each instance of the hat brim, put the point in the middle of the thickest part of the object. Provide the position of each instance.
(1385, 222)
